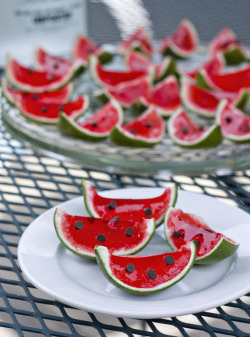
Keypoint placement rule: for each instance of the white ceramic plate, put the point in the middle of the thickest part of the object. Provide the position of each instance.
(79, 282)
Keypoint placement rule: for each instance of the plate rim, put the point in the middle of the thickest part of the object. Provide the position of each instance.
(111, 311)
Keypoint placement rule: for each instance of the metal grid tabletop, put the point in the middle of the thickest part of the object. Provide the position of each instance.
(29, 185)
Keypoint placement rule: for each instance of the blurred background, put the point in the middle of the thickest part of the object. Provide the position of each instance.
(54, 24)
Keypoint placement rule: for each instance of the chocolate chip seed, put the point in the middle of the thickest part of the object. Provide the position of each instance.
(169, 260)
(112, 205)
(44, 109)
(79, 224)
(35, 96)
(61, 108)
(130, 268)
(151, 274)
(133, 131)
(228, 120)
(148, 124)
(129, 231)
(50, 76)
(184, 131)
(148, 212)
(197, 243)
(101, 238)
(177, 234)
(116, 219)
(94, 124)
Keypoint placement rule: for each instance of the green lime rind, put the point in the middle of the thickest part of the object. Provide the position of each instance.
(201, 80)
(124, 138)
(123, 250)
(170, 69)
(234, 56)
(211, 138)
(10, 98)
(65, 242)
(68, 127)
(102, 257)
(221, 251)
(105, 57)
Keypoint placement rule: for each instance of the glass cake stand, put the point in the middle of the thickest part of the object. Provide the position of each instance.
(105, 155)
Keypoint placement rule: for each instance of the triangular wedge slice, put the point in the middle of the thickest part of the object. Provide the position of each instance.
(229, 82)
(96, 127)
(58, 96)
(31, 80)
(129, 209)
(81, 234)
(46, 113)
(53, 64)
(110, 78)
(235, 125)
(181, 228)
(186, 133)
(84, 47)
(205, 102)
(182, 43)
(164, 97)
(139, 40)
(145, 131)
(227, 42)
(143, 275)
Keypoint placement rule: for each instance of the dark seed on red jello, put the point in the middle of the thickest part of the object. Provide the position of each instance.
(91, 219)
(112, 205)
(94, 124)
(197, 243)
(133, 131)
(50, 76)
(148, 124)
(169, 260)
(228, 120)
(116, 219)
(101, 238)
(151, 274)
(61, 108)
(184, 131)
(244, 128)
(148, 211)
(44, 109)
(35, 96)
(79, 224)
(30, 71)
(129, 231)
(56, 65)
(130, 268)
(177, 234)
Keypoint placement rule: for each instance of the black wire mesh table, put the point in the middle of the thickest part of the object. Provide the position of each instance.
(29, 185)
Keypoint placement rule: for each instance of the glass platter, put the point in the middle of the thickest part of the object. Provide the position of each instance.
(165, 156)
